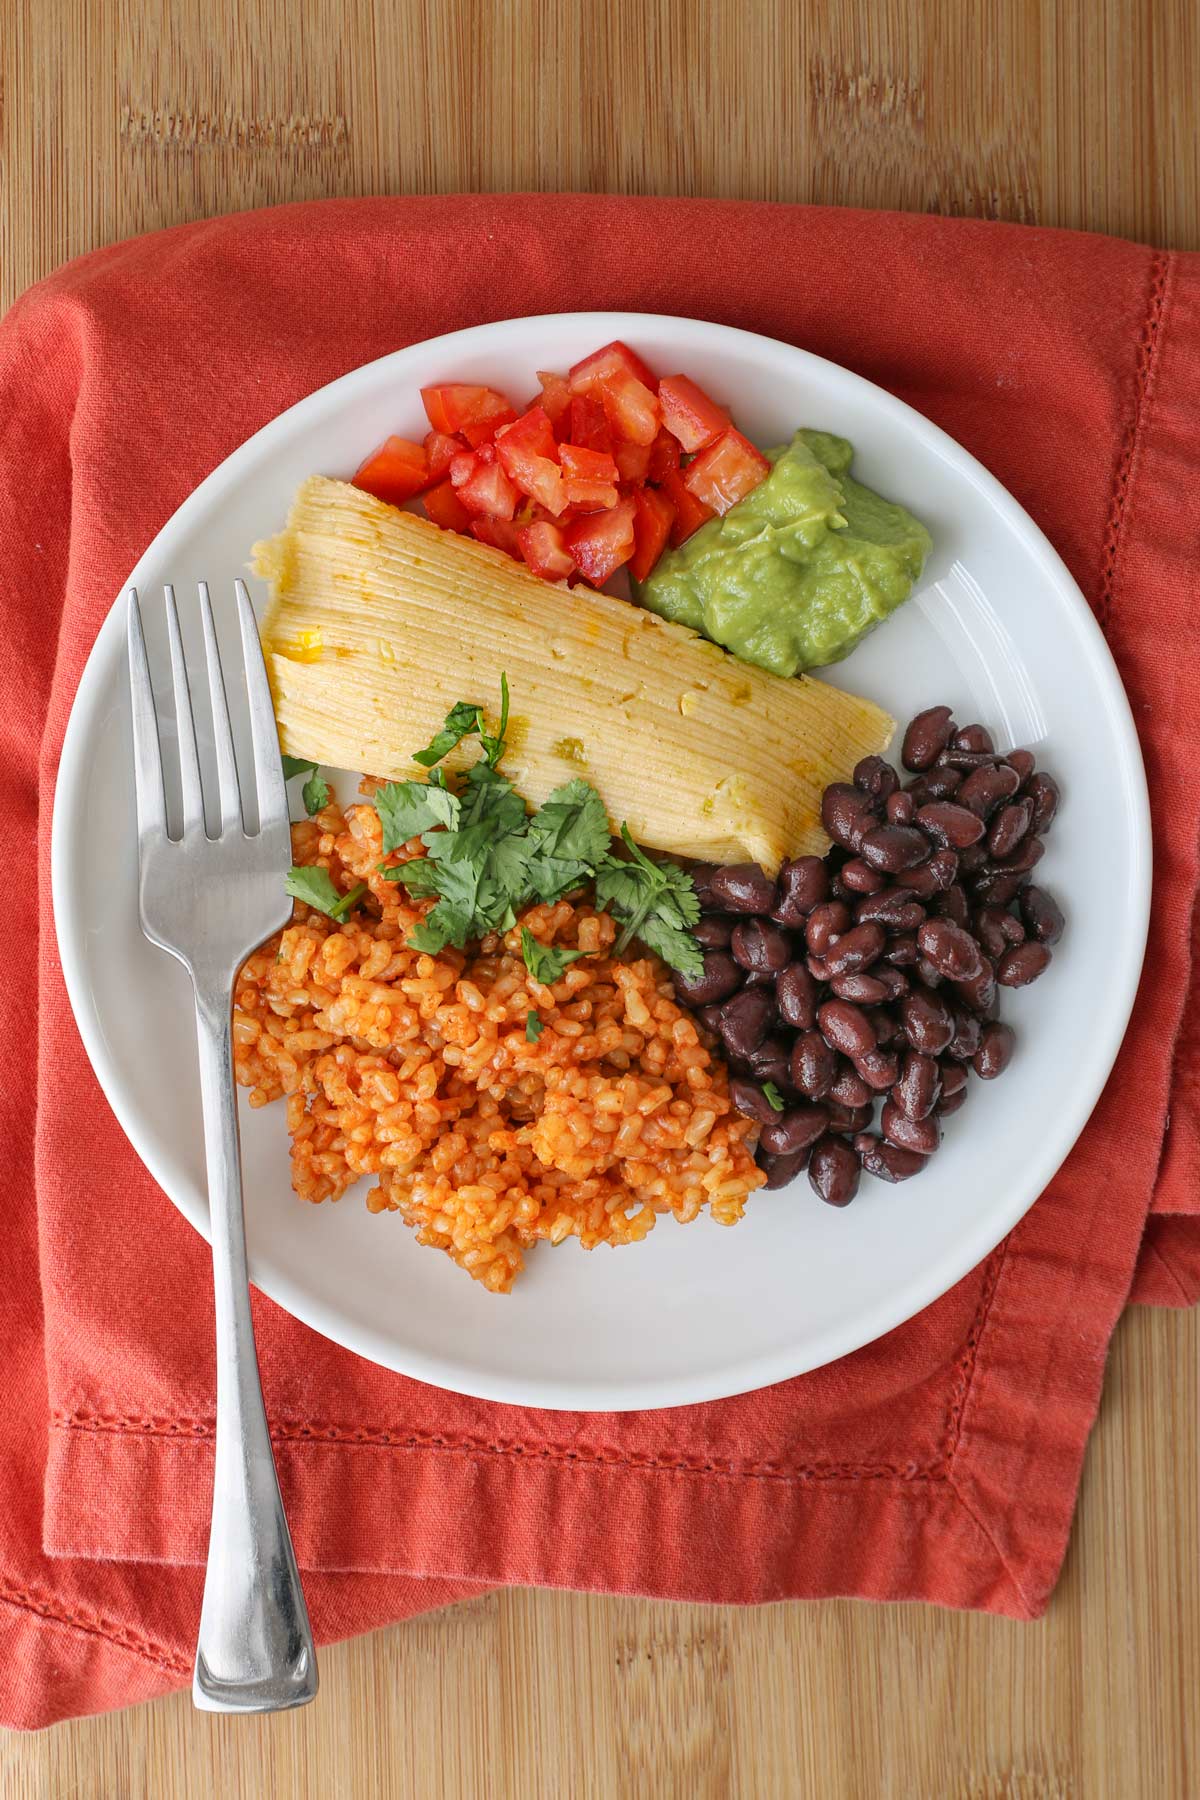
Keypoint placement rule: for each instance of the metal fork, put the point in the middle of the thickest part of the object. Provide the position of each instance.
(210, 901)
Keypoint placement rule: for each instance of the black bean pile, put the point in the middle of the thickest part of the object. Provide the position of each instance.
(873, 973)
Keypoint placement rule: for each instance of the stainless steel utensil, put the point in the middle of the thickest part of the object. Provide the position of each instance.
(210, 901)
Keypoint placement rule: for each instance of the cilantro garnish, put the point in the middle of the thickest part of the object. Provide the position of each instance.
(534, 1027)
(774, 1097)
(315, 887)
(654, 901)
(407, 808)
(315, 792)
(546, 962)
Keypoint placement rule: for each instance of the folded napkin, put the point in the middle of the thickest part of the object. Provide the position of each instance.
(940, 1463)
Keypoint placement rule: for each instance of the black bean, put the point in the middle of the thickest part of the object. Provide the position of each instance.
(927, 973)
(972, 860)
(772, 1061)
(949, 824)
(846, 1027)
(967, 1032)
(917, 790)
(879, 1068)
(1022, 964)
(745, 1019)
(936, 875)
(954, 1079)
(979, 993)
(973, 737)
(919, 1087)
(749, 1099)
(984, 788)
(949, 1103)
(876, 778)
(965, 759)
(941, 784)
(818, 968)
(825, 925)
(847, 814)
(713, 932)
(710, 1018)
(1009, 826)
(864, 990)
(894, 847)
(901, 952)
(856, 949)
(953, 905)
(1027, 855)
(953, 952)
(926, 737)
(1042, 915)
(891, 978)
(757, 944)
(887, 1161)
(849, 1119)
(721, 978)
(994, 928)
(803, 884)
(886, 1024)
(850, 1089)
(920, 1135)
(833, 1171)
(796, 997)
(782, 1170)
(702, 874)
(895, 907)
(796, 1129)
(743, 888)
(861, 878)
(927, 1021)
(997, 887)
(901, 809)
(995, 1051)
(1043, 791)
(814, 1065)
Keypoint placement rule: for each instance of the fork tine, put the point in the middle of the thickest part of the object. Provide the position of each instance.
(264, 735)
(147, 759)
(185, 725)
(229, 794)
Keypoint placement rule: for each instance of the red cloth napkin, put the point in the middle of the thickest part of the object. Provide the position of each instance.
(939, 1463)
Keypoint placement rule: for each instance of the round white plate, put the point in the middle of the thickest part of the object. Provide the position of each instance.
(998, 629)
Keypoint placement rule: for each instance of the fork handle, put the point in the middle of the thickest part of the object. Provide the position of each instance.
(255, 1650)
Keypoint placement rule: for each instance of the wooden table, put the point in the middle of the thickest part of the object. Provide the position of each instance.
(118, 116)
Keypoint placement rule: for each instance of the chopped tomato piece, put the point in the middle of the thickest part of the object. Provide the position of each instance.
(498, 533)
(587, 465)
(690, 511)
(532, 432)
(476, 412)
(395, 472)
(630, 407)
(590, 496)
(610, 359)
(689, 414)
(653, 516)
(545, 550)
(444, 507)
(556, 399)
(726, 471)
(664, 457)
(527, 451)
(487, 489)
(441, 451)
(589, 424)
(603, 541)
(633, 461)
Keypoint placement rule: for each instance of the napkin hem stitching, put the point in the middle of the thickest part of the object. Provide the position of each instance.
(94, 1625)
(1145, 366)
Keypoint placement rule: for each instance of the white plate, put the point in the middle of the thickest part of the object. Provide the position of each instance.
(998, 629)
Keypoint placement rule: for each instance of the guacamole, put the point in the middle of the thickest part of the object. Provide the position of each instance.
(796, 573)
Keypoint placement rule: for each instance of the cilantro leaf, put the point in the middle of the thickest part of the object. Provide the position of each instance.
(655, 901)
(419, 876)
(572, 825)
(774, 1097)
(675, 946)
(546, 962)
(463, 720)
(494, 746)
(315, 887)
(534, 1028)
(407, 808)
(297, 765)
(445, 924)
(315, 794)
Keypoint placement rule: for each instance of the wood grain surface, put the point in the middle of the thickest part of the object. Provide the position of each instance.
(118, 116)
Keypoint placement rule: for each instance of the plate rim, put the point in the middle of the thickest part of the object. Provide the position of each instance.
(937, 1276)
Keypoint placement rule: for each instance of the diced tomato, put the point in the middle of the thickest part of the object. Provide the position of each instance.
(603, 541)
(556, 398)
(590, 496)
(544, 549)
(487, 490)
(589, 424)
(664, 457)
(690, 511)
(441, 451)
(653, 516)
(498, 533)
(630, 407)
(728, 470)
(476, 412)
(689, 414)
(608, 360)
(587, 465)
(532, 433)
(395, 472)
(444, 507)
(633, 461)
